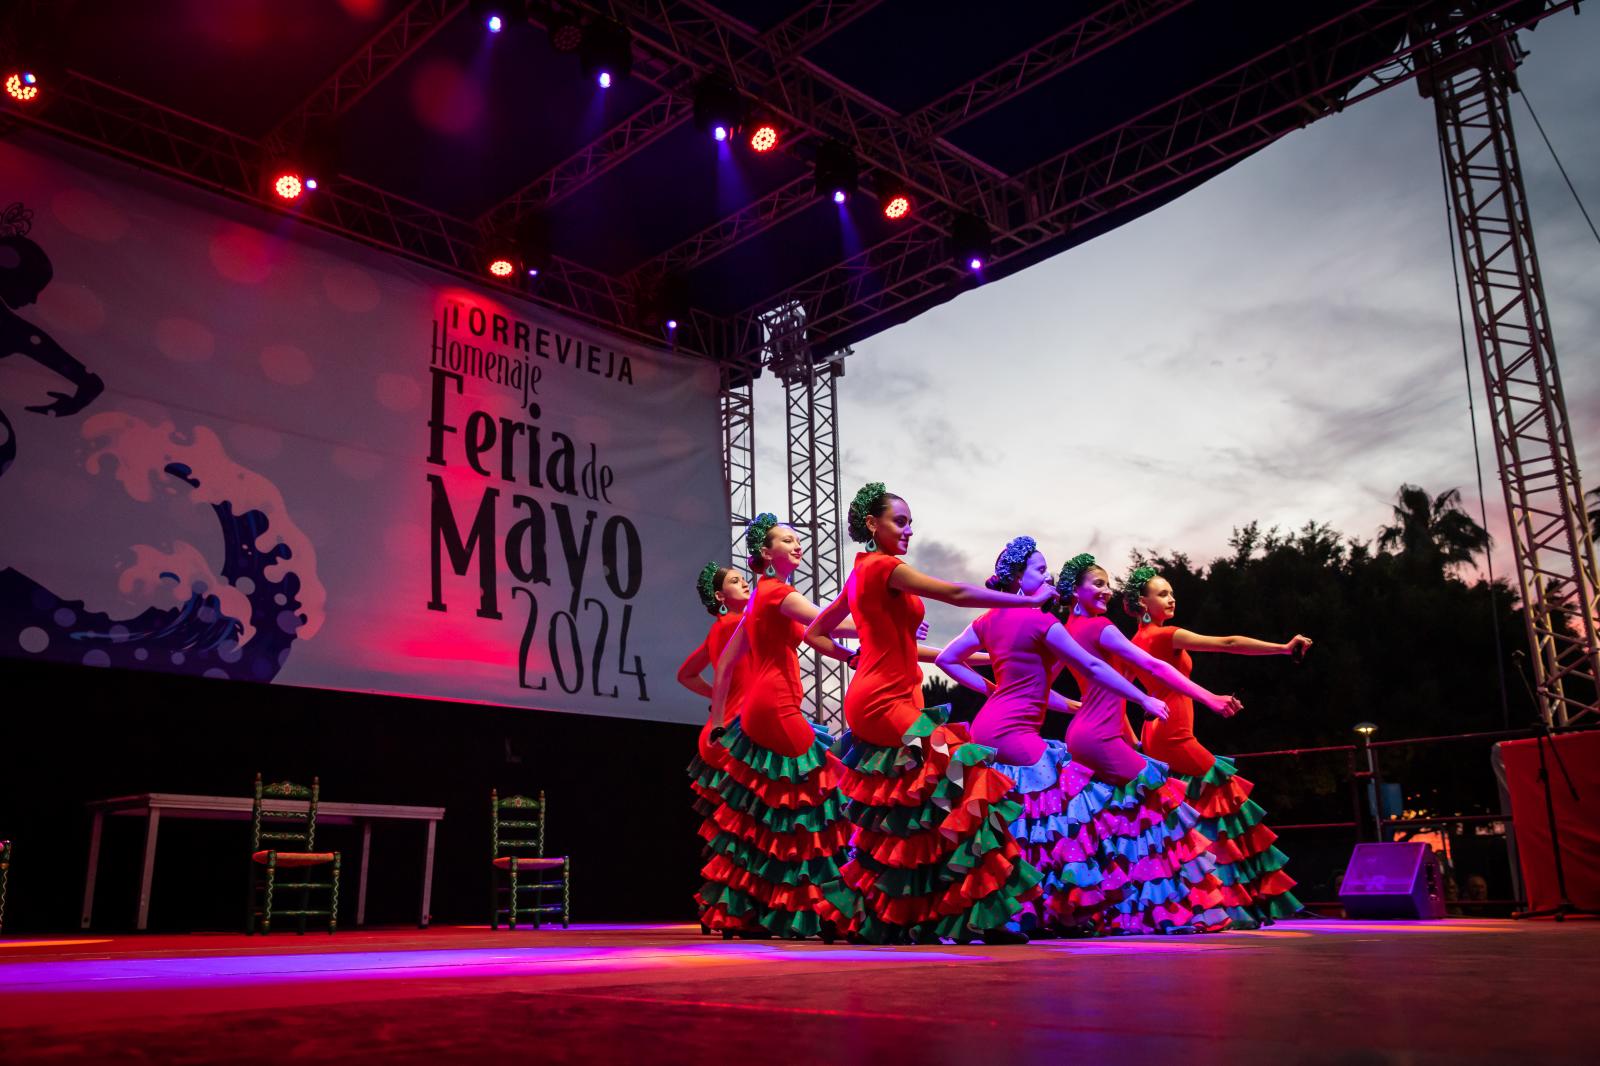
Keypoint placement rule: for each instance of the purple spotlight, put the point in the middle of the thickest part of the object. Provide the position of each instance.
(975, 264)
(604, 78)
(720, 133)
(311, 183)
(533, 272)
(496, 24)
(672, 323)
(838, 196)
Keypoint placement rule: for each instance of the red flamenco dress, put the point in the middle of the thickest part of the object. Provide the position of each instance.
(932, 853)
(1256, 889)
(1156, 875)
(708, 753)
(775, 827)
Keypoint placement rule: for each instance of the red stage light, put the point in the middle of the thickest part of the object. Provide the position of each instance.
(22, 86)
(764, 138)
(501, 268)
(288, 186)
(897, 207)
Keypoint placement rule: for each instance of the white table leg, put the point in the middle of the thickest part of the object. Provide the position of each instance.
(427, 876)
(153, 827)
(361, 885)
(95, 826)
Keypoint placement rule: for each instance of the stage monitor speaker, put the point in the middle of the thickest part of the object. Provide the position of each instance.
(1392, 881)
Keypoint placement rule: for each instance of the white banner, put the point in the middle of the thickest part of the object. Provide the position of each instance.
(241, 448)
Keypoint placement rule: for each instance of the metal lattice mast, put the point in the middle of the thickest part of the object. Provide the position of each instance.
(1555, 558)
(738, 452)
(811, 418)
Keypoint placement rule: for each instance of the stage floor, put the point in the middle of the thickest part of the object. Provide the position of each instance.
(1300, 992)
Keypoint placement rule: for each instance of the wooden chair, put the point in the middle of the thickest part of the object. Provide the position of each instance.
(283, 838)
(521, 858)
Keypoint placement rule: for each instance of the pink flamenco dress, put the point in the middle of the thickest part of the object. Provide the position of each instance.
(1156, 873)
(932, 853)
(1062, 850)
(1257, 890)
(775, 827)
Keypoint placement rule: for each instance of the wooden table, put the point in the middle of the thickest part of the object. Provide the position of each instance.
(154, 805)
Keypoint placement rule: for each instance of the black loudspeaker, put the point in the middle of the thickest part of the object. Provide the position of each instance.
(1392, 881)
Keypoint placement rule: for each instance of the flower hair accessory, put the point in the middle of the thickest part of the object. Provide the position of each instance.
(1073, 572)
(15, 221)
(1133, 587)
(755, 534)
(1012, 560)
(706, 585)
(860, 507)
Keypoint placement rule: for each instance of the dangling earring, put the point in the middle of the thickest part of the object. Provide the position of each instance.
(722, 608)
(1077, 608)
(1145, 619)
(770, 571)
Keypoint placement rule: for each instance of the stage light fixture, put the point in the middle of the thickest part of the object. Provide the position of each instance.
(672, 324)
(566, 33)
(497, 15)
(763, 136)
(23, 86)
(501, 267)
(663, 303)
(287, 185)
(605, 52)
(718, 108)
(837, 173)
(971, 242)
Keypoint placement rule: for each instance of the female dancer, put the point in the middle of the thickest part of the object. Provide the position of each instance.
(1028, 649)
(777, 827)
(1150, 853)
(1249, 866)
(723, 592)
(933, 851)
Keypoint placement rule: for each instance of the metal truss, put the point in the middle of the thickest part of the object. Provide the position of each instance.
(114, 121)
(1550, 534)
(725, 234)
(737, 405)
(1204, 130)
(811, 419)
(408, 31)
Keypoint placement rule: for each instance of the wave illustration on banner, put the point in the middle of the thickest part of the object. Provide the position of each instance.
(238, 625)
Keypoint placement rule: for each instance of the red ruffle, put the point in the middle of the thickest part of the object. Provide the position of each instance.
(786, 846)
(906, 852)
(718, 918)
(811, 791)
(1256, 839)
(1274, 884)
(1215, 801)
(724, 871)
(981, 787)
(983, 880)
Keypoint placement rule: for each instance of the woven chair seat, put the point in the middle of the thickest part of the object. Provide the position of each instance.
(528, 863)
(295, 858)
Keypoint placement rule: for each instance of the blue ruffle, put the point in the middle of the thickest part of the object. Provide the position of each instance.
(1042, 775)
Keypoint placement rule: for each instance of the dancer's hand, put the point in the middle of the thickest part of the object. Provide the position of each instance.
(1227, 706)
(1297, 645)
(922, 632)
(62, 406)
(1154, 708)
(1040, 596)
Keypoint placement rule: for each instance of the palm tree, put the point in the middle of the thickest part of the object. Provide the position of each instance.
(1433, 532)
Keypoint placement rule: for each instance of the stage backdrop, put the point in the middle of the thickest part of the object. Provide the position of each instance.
(235, 447)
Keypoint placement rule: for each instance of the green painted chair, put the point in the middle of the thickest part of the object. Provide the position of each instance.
(516, 851)
(284, 839)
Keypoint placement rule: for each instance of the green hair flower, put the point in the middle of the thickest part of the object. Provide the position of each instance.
(1072, 573)
(706, 585)
(860, 507)
(755, 534)
(1134, 586)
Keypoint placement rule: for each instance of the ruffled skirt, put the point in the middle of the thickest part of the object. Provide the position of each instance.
(1256, 890)
(931, 853)
(1115, 858)
(775, 832)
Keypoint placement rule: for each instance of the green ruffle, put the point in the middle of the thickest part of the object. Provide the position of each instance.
(747, 856)
(780, 819)
(900, 821)
(1283, 905)
(1249, 814)
(769, 764)
(792, 924)
(1249, 870)
(994, 910)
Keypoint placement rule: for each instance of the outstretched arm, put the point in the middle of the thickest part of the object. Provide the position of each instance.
(1184, 640)
(797, 608)
(738, 645)
(1112, 640)
(1063, 645)
(819, 632)
(689, 673)
(50, 355)
(953, 661)
(959, 594)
